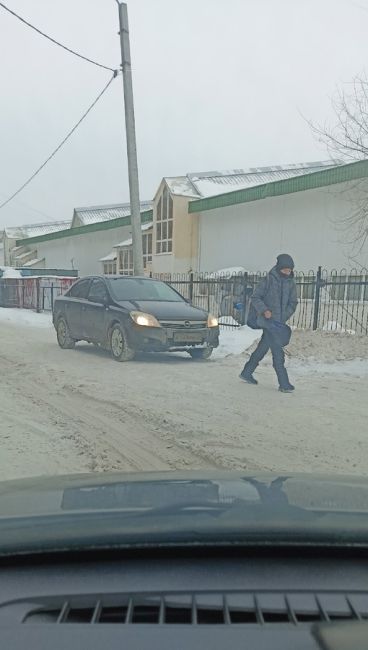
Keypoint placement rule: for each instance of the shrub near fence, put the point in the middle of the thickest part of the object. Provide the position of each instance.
(334, 300)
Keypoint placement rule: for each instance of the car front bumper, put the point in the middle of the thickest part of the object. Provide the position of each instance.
(162, 339)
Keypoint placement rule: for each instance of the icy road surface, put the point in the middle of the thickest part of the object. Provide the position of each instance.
(77, 410)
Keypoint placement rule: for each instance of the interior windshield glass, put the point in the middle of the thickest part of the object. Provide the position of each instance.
(140, 289)
(184, 253)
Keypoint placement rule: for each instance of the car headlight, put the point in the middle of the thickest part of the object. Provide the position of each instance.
(212, 321)
(146, 320)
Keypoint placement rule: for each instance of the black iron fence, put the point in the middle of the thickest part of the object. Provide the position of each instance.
(36, 293)
(329, 300)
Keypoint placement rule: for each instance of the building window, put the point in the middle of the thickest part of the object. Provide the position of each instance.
(147, 249)
(126, 261)
(164, 225)
(126, 255)
(109, 268)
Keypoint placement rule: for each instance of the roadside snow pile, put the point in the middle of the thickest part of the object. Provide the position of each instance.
(324, 353)
(334, 326)
(235, 342)
(327, 346)
(352, 368)
(25, 318)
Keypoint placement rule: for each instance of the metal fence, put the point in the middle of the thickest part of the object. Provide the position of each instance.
(36, 293)
(329, 300)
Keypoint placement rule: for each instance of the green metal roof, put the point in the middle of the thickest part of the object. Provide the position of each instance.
(93, 227)
(314, 180)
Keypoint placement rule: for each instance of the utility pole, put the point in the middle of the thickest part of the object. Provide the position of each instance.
(135, 208)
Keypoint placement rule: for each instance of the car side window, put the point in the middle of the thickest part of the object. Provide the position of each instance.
(98, 292)
(80, 289)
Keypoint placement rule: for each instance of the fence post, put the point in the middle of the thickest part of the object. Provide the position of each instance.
(38, 296)
(52, 297)
(191, 280)
(244, 297)
(317, 298)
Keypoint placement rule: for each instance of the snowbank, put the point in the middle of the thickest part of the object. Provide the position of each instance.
(327, 347)
(235, 342)
(25, 317)
(334, 326)
(352, 368)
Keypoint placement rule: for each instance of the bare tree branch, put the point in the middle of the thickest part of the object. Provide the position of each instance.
(347, 139)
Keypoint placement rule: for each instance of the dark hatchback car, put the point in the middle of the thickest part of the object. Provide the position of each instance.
(126, 314)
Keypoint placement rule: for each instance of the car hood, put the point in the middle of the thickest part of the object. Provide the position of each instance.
(165, 310)
(181, 508)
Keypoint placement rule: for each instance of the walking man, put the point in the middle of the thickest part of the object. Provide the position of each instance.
(274, 299)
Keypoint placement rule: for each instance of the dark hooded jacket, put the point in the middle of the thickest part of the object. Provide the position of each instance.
(276, 293)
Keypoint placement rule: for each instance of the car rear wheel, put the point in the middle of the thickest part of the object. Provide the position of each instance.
(119, 345)
(201, 353)
(64, 339)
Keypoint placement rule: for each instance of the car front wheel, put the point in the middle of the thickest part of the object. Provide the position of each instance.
(64, 339)
(119, 345)
(201, 353)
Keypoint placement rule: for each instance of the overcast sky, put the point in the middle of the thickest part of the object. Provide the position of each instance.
(218, 84)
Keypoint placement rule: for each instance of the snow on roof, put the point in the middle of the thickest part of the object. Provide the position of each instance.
(111, 257)
(36, 229)
(205, 184)
(19, 258)
(182, 186)
(100, 213)
(8, 272)
(228, 272)
(128, 242)
(34, 261)
(212, 183)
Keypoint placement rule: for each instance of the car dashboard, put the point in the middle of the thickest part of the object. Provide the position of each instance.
(181, 599)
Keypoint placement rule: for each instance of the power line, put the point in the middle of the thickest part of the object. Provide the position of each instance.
(81, 56)
(30, 207)
(61, 143)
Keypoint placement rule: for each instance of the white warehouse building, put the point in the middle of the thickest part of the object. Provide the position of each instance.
(214, 220)
(314, 217)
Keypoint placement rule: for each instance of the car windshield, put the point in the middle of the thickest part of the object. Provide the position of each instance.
(184, 244)
(141, 289)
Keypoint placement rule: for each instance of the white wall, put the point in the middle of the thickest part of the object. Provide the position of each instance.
(308, 225)
(85, 250)
(169, 263)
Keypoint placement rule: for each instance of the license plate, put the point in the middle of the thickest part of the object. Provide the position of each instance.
(188, 337)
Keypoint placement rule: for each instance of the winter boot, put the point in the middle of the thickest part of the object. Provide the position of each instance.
(289, 388)
(248, 378)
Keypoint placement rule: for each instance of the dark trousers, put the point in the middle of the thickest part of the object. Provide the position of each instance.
(266, 343)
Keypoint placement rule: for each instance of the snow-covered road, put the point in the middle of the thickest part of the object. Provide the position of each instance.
(78, 411)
